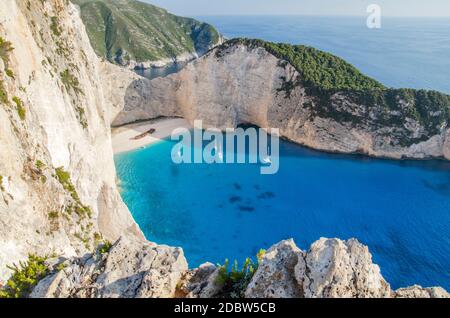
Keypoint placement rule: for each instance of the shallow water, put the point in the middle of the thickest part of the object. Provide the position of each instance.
(399, 209)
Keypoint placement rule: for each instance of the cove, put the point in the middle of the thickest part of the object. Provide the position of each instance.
(400, 209)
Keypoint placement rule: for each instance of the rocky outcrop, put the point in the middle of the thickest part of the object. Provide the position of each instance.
(276, 275)
(133, 268)
(420, 292)
(330, 269)
(237, 84)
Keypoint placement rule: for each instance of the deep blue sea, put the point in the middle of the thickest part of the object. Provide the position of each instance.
(400, 209)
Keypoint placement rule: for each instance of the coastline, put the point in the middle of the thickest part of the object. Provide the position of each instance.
(122, 137)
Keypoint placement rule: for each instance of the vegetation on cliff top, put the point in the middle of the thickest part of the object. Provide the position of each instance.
(317, 68)
(133, 30)
(324, 75)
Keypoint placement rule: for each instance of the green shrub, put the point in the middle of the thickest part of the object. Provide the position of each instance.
(60, 267)
(5, 48)
(25, 277)
(20, 108)
(64, 178)
(10, 73)
(54, 26)
(39, 164)
(81, 115)
(105, 247)
(234, 281)
(52, 215)
(70, 81)
(3, 94)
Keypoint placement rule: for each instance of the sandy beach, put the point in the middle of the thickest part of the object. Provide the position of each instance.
(123, 137)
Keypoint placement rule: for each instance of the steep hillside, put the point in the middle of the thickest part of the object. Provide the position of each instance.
(129, 32)
(58, 191)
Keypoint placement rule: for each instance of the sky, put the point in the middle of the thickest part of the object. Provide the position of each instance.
(423, 8)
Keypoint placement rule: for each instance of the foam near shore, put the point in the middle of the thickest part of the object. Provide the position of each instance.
(123, 138)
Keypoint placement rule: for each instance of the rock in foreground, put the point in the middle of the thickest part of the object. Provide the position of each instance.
(330, 269)
(133, 268)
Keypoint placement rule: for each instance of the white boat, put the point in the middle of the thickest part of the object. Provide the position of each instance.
(267, 159)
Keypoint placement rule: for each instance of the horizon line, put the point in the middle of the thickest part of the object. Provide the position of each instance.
(318, 15)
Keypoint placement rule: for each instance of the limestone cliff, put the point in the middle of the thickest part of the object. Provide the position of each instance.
(242, 82)
(58, 192)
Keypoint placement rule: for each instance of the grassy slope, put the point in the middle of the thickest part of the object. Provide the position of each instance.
(324, 74)
(146, 32)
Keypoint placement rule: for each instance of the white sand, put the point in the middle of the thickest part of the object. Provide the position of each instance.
(122, 137)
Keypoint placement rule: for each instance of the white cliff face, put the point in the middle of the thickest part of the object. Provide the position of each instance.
(58, 78)
(237, 85)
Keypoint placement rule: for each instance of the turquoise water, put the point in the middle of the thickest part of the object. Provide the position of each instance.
(399, 209)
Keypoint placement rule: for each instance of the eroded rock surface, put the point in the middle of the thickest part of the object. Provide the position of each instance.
(132, 268)
(330, 269)
(67, 97)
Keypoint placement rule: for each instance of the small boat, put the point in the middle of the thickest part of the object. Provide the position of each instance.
(266, 160)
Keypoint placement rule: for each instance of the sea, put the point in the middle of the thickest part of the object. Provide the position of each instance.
(399, 209)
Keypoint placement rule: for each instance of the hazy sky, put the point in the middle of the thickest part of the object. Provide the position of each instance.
(304, 7)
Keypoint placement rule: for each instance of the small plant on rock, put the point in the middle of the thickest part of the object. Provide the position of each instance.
(105, 247)
(25, 277)
(20, 108)
(235, 281)
(5, 48)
